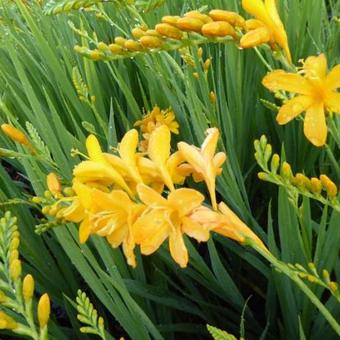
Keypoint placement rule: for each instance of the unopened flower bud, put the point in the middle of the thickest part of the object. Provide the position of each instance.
(267, 152)
(102, 46)
(28, 288)
(169, 19)
(190, 24)
(263, 176)
(218, 29)
(15, 134)
(138, 32)
(333, 286)
(95, 55)
(53, 183)
(301, 180)
(133, 45)
(315, 185)
(228, 16)
(120, 41)
(169, 31)
(212, 97)
(329, 186)
(286, 170)
(150, 42)
(115, 48)
(15, 269)
(207, 64)
(198, 15)
(275, 163)
(14, 243)
(44, 309)
(6, 322)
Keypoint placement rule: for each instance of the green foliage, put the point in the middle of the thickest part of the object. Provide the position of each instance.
(218, 334)
(157, 300)
(89, 316)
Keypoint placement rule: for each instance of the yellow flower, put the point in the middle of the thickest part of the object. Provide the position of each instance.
(225, 222)
(168, 218)
(114, 220)
(155, 118)
(316, 92)
(205, 164)
(98, 168)
(159, 152)
(269, 28)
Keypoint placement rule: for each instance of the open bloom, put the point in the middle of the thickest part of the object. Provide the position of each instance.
(169, 218)
(204, 163)
(316, 93)
(225, 222)
(114, 220)
(98, 168)
(267, 28)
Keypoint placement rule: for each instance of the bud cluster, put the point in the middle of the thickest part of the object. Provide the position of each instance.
(314, 277)
(279, 172)
(173, 32)
(16, 294)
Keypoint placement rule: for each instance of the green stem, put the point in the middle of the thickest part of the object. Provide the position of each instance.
(264, 61)
(282, 267)
(333, 160)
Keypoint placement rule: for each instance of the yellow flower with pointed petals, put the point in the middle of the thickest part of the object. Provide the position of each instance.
(316, 92)
(127, 151)
(155, 118)
(159, 152)
(268, 28)
(115, 219)
(225, 222)
(97, 168)
(205, 163)
(168, 218)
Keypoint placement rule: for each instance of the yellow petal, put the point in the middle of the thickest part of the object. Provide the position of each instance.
(150, 231)
(88, 171)
(292, 108)
(192, 155)
(280, 34)
(127, 151)
(332, 102)
(255, 37)
(219, 159)
(84, 230)
(94, 150)
(117, 163)
(333, 78)
(84, 194)
(75, 212)
(236, 228)
(195, 230)
(316, 67)
(185, 200)
(252, 24)
(280, 80)
(257, 9)
(159, 152)
(115, 200)
(209, 145)
(128, 247)
(315, 127)
(178, 249)
(151, 197)
(117, 236)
